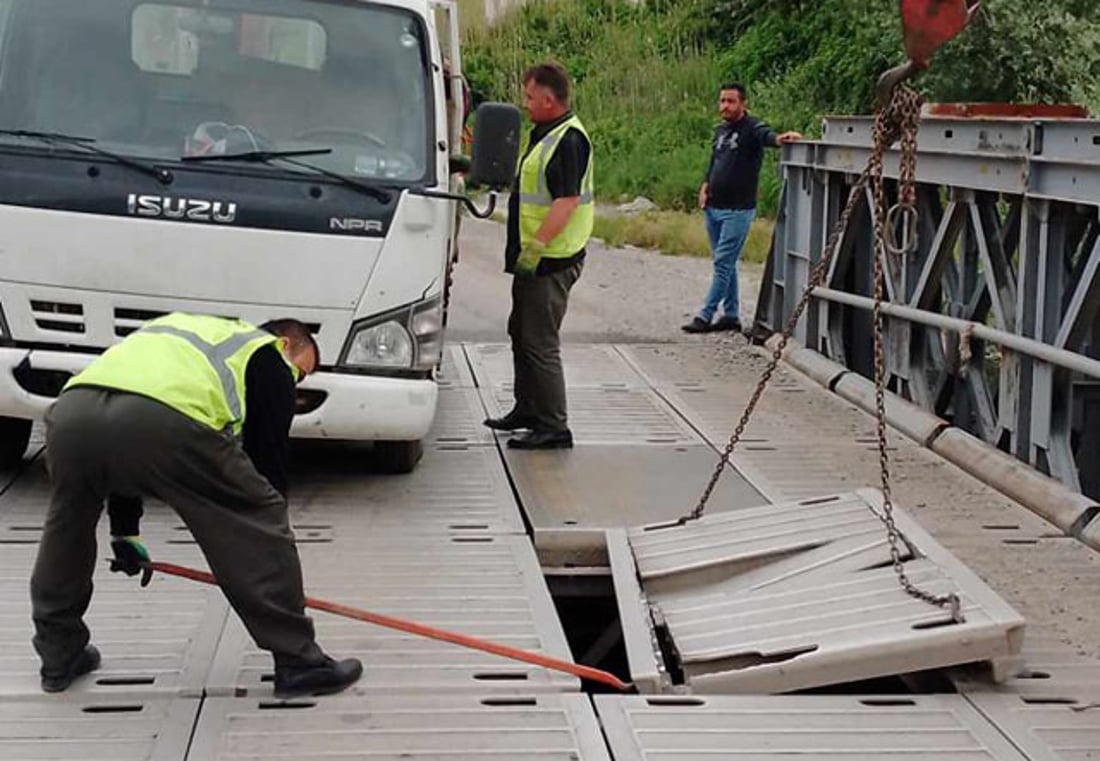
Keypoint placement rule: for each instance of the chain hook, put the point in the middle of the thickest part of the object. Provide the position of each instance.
(902, 219)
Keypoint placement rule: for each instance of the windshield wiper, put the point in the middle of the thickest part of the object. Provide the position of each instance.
(256, 156)
(265, 157)
(85, 143)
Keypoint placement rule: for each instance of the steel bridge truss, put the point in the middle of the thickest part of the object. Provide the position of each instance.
(993, 322)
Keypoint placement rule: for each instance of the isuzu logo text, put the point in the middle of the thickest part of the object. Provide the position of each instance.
(194, 209)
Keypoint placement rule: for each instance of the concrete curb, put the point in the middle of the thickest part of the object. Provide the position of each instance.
(1075, 514)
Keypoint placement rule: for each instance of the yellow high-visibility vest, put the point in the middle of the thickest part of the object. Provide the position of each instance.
(194, 364)
(535, 199)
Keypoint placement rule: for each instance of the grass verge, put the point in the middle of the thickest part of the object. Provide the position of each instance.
(676, 232)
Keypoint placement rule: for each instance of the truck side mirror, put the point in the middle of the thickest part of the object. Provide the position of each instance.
(496, 145)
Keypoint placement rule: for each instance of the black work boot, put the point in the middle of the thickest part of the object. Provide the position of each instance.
(728, 323)
(321, 679)
(86, 660)
(543, 440)
(697, 325)
(513, 421)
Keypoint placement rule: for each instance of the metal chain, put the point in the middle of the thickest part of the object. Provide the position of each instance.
(899, 120)
(903, 114)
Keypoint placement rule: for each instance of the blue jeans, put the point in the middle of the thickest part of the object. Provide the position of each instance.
(727, 230)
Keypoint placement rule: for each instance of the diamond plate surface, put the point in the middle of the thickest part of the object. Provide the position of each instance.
(486, 586)
(613, 416)
(586, 366)
(809, 728)
(392, 727)
(454, 489)
(64, 728)
(793, 596)
(1044, 729)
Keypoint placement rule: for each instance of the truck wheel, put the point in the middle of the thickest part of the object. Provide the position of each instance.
(397, 456)
(15, 434)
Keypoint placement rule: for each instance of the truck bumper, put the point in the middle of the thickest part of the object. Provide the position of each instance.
(351, 407)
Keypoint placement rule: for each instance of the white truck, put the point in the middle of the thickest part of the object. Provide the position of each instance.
(244, 158)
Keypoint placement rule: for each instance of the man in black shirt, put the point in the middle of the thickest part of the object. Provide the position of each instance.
(728, 200)
(158, 415)
(550, 216)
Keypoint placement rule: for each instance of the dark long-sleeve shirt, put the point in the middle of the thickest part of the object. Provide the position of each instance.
(734, 170)
(269, 409)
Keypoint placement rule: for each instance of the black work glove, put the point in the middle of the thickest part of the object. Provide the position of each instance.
(131, 558)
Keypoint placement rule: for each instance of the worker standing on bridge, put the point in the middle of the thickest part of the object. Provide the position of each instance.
(550, 216)
(164, 414)
(728, 200)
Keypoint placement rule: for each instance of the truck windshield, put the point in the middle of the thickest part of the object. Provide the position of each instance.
(186, 78)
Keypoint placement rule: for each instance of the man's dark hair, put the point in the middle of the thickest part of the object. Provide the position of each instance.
(296, 332)
(741, 90)
(553, 77)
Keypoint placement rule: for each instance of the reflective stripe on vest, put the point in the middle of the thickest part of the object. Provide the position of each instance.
(535, 199)
(194, 364)
(217, 355)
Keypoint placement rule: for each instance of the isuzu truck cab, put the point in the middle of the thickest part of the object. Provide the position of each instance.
(244, 158)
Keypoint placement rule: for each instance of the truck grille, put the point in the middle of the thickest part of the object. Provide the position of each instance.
(56, 315)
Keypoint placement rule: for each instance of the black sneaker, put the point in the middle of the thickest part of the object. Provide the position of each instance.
(697, 325)
(728, 323)
(324, 679)
(513, 421)
(87, 660)
(543, 440)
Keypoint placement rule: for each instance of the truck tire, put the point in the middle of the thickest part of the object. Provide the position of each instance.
(15, 434)
(397, 456)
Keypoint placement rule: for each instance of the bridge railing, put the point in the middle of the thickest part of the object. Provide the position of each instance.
(994, 322)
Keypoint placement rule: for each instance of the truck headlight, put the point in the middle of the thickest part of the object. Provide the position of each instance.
(386, 345)
(409, 338)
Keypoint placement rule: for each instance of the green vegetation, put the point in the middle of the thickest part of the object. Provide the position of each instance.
(646, 74)
(676, 232)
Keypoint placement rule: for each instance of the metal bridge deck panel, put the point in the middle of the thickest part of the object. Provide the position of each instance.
(623, 416)
(818, 619)
(63, 728)
(563, 489)
(454, 490)
(458, 728)
(809, 728)
(459, 419)
(486, 586)
(1042, 729)
(154, 642)
(586, 366)
(1051, 671)
(454, 370)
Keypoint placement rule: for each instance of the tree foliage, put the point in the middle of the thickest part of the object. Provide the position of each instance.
(646, 74)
